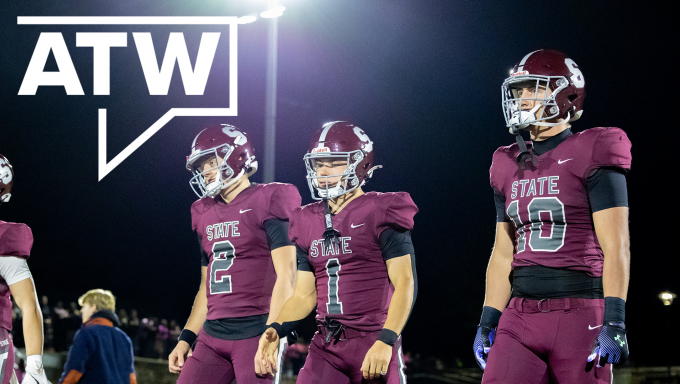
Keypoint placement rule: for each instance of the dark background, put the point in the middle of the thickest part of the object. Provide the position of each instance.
(422, 78)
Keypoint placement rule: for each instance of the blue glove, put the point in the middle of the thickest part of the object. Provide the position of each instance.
(611, 345)
(483, 342)
(486, 335)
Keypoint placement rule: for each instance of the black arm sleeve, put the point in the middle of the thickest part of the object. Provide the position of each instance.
(277, 233)
(302, 260)
(499, 200)
(395, 244)
(205, 260)
(607, 189)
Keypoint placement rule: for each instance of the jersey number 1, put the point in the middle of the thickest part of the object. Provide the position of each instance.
(223, 259)
(334, 305)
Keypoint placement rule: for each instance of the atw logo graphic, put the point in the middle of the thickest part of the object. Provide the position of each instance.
(157, 79)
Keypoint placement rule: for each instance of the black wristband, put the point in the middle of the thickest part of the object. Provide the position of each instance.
(614, 310)
(388, 337)
(188, 336)
(490, 317)
(286, 328)
(278, 328)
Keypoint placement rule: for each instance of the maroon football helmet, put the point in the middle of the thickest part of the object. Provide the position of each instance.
(552, 70)
(6, 179)
(225, 142)
(340, 139)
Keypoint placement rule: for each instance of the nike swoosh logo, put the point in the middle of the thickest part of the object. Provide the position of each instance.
(563, 161)
(591, 328)
(357, 226)
(244, 210)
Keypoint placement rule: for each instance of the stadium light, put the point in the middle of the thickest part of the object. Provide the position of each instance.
(247, 19)
(273, 12)
(667, 297)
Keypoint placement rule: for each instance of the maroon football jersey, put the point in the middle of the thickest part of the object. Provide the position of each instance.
(352, 284)
(548, 204)
(16, 239)
(241, 274)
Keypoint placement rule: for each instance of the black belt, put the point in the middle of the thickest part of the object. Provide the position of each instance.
(332, 329)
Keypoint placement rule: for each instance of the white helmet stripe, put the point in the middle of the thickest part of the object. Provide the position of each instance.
(326, 128)
(524, 60)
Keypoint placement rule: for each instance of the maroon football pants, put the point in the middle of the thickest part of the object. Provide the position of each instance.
(6, 357)
(221, 361)
(546, 341)
(340, 362)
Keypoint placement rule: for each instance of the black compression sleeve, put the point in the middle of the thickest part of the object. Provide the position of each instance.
(499, 200)
(302, 260)
(395, 244)
(607, 189)
(277, 233)
(205, 260)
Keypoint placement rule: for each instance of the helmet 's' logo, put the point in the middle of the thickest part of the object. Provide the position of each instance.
(321, 149)
(519, 73)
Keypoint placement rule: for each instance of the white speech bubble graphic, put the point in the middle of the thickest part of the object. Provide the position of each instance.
(104, 167)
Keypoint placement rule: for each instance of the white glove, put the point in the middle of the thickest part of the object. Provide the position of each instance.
(35, 373)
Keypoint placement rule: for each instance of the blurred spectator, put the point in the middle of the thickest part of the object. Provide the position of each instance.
(124, 320)
(147, 337)
(161, 339)
(296, 354)
(101, 353)
(60, 311)
(133, 330)
(48, 330)
(171, 342)
(74, 309)
(60, 324)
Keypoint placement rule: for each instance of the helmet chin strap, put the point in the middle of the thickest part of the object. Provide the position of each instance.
(218, 187)
(331, 236)
(524, 153)
(519, 123)
(542, 124)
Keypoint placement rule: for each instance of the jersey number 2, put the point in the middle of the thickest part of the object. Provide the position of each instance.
(540, 238)
(223, 259)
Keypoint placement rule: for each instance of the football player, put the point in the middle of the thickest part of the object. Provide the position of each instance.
(247, 265)
(557, 279)
(16, 241)
(356, 265)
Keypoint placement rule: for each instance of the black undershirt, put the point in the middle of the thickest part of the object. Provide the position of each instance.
(606, 188)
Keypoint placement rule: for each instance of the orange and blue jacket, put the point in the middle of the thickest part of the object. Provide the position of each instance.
(101, 353)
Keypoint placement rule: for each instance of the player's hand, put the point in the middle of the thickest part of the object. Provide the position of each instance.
(483, 342)
(35, 373)
(179, 356)
(267, 351)
(611, 346)
(377, 360)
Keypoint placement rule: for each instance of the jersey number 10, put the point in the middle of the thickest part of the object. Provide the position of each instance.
(541, 238)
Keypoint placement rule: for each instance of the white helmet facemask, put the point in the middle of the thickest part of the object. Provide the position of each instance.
(346, 181)
(515, 117)
(225, 174)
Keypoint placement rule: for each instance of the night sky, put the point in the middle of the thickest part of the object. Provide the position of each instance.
(422, 78)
